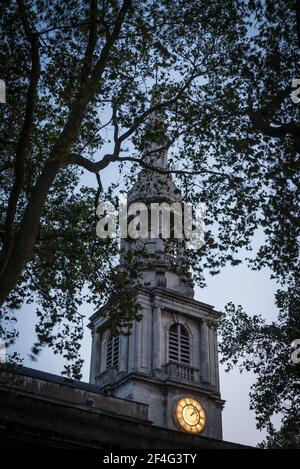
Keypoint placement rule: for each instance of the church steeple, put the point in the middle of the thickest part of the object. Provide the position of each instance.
(169, 360)
(167, 266)
(156, 141)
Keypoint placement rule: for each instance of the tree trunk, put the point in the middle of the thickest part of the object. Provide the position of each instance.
(27, 232)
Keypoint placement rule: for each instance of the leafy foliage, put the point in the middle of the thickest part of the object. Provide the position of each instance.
(266, 350)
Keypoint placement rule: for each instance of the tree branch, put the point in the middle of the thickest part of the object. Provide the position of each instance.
(99, 190)
(261, 120)
(92, 41)
(115, 123)
(5, 166)
(96, 167)
(277, 131)
(188, 172)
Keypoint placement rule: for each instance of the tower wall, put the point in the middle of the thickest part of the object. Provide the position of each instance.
(146, 374)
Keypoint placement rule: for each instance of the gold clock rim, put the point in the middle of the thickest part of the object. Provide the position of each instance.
(193, 429)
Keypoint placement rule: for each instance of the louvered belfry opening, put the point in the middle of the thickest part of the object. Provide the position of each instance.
(179, 344)
(112, 352)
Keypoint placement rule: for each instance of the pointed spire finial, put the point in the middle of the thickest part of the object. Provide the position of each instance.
(156, 75)
(156, 140)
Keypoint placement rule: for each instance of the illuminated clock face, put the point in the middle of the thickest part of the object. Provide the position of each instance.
(190, 415)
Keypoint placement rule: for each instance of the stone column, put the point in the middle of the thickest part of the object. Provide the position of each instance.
(204, 352)
(95, 356)
(97, 352)
(156, 338)
(92, 378)
(212, 356)
(123, 353)
(131, 348)
(216, 360)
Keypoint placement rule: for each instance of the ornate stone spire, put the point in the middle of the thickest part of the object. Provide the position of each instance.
(151, 184)
(156, 140)
(167, 267)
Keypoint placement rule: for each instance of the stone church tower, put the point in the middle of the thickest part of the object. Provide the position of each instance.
(170, 360)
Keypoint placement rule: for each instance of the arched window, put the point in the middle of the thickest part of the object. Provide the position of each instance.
(179, 344)
(112, 351)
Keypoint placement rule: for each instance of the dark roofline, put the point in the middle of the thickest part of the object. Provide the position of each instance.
(73, 383)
